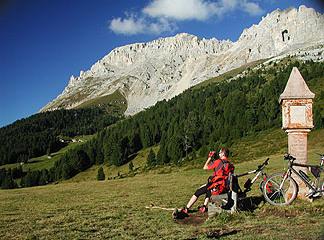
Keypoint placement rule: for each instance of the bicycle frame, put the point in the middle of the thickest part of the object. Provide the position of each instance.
(281, 188)
(291, 169)
(258, 171)
(235, 189)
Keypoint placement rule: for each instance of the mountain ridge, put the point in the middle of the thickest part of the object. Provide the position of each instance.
(146, 73)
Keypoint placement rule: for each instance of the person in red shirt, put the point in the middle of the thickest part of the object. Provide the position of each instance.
(217, 182)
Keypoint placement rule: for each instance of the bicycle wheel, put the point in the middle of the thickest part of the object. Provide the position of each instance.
(279, 191)
(261, 186)
(321, 187)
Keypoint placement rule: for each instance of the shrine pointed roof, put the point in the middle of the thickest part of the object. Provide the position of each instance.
(296, 87)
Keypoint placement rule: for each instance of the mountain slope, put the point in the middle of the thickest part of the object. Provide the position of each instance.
(200, 119)
(149, 72)
(216, 115)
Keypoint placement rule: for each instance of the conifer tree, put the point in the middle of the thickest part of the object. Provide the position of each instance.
(101, 175)
(151, 159)
(44, 177)
(131, 167)
(318, 120)
(8, 182)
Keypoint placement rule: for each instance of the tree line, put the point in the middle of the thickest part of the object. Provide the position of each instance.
(196, 121)
(40, 133)
(68, 166)
(200, 119)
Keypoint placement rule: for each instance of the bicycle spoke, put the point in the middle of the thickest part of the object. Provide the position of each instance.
(274, 182)
(271, 197)
(277, 190)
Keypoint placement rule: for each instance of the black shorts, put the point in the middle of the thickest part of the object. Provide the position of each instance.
(203, 190)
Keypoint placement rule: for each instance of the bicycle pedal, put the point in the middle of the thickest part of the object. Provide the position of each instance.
(317, 194)
(312, 194)
(309, 194)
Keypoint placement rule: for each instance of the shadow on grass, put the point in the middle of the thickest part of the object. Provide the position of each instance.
(215, 234)
(195, 218)
(250, 204)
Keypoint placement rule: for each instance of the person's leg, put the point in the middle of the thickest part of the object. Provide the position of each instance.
(208, 195)
(200, 191)
(206, 201)
(192, 200)
(204, 207)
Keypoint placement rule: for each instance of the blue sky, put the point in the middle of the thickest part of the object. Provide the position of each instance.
(44, 42)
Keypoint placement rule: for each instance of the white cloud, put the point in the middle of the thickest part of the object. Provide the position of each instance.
(133, 25)
(161, 15)
(251, 8)
(223, 7)
(198, 9)
(179, 9)
(128, 26)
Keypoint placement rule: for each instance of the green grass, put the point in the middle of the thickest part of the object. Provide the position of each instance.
(139, 163)
(83, 208)
(114, 103)
(229, 74)
(115, 209)
(261, 144)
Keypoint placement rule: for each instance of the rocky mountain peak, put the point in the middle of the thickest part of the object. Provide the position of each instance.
(163, 68)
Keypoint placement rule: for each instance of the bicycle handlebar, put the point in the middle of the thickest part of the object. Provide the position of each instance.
(265, 163)
(260, 167)
(289, 157)
(321, 155)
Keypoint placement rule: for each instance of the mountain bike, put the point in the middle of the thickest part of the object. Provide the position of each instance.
(281, 188)
(236, 196)
(249, 182)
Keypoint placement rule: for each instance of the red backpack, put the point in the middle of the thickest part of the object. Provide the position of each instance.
(218, 183)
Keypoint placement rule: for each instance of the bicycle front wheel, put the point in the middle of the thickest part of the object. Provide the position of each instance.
(280, 191)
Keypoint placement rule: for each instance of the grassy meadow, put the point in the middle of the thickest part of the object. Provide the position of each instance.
(116, 210)
(83, 208)
(114, 103)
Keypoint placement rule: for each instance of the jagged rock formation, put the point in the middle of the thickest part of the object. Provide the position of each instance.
(149, 72)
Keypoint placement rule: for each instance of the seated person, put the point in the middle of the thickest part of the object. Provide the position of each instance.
(217, 183)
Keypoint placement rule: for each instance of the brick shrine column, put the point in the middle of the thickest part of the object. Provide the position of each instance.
(297, 147)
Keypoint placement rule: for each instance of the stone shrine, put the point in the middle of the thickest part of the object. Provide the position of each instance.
(297, 119)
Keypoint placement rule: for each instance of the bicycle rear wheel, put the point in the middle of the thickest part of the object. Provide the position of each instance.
(279, 191)
(261, 186)
(321, 187)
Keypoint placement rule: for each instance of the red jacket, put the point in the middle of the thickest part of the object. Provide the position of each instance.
(218, 183)
(218, 164)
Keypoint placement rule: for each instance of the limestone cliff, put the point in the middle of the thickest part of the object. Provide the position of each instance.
(149, 72)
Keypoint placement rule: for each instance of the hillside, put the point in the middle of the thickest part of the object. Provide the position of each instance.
(45, 133)
(84, 208)
(214, 115)
(114, 104)
(116, 210)
(271, 143)
(244, 106)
